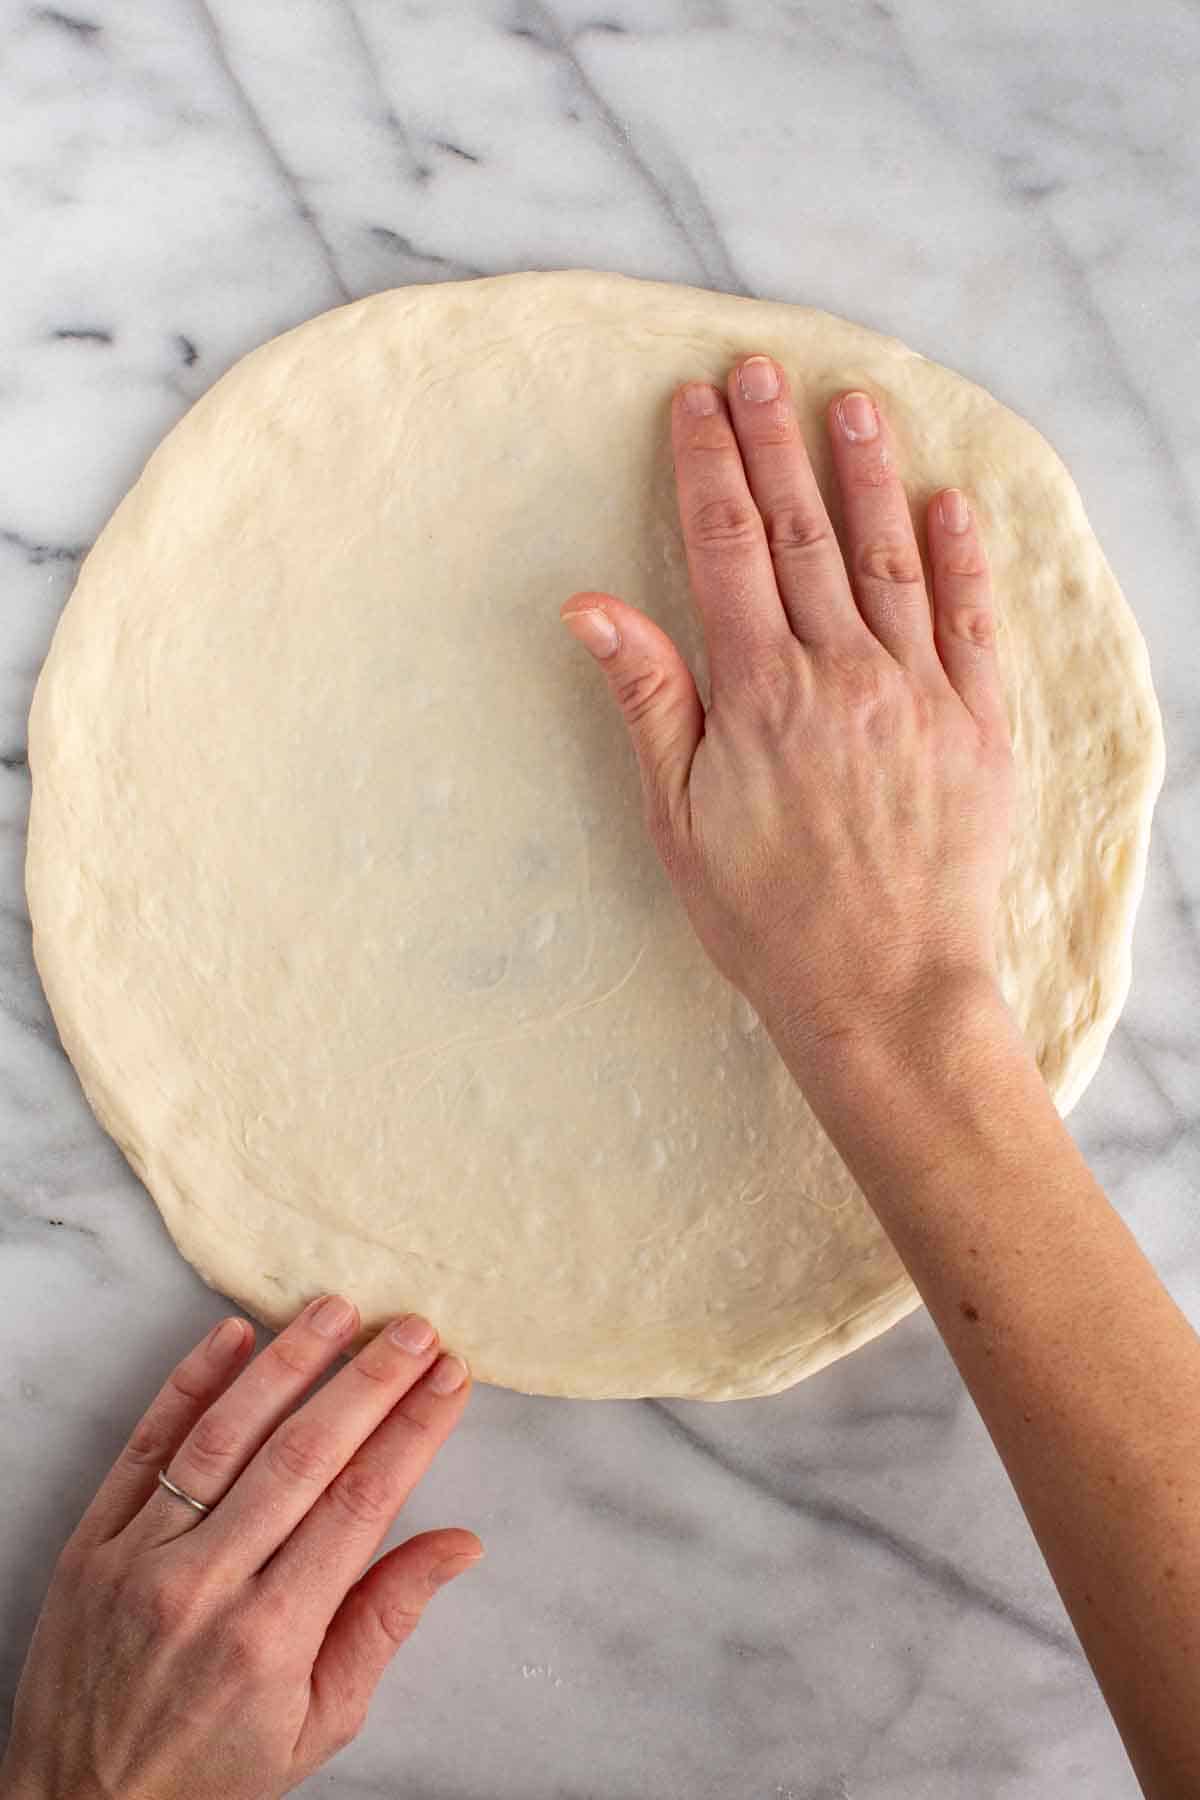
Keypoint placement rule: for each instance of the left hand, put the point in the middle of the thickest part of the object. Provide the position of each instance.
(226, 1656)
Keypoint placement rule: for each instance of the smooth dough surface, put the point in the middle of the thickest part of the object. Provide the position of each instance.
(339, 885)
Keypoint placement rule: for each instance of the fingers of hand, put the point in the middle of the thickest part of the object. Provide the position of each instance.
(224, 1439)
(202, 1608)
(809, 571)
(348, 1521)
(309, 1450)
(378, 1615)
(654, 689)
(199, 1381)
(732, 576)
(963, 612)
(882, 557)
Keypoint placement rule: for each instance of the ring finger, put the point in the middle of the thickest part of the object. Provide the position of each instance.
(188, 1392)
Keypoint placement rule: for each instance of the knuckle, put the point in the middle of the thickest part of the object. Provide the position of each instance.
(290, 1354)
(213, 1444)
(183, 1384)
(769, 684)
(365, 1494)
(247, 1647)
(971, 624)
(148, 1444)
(375, 1369)
(74, 1563)
(964, 563)
(170, 1601)
(773, 433)
(275, 1609)
(105, 1566)
(792, 528)
(727, 521)
(709, 437)
(637, 690)
(861, 681)
(895, 564)
(414, 1432)
(872, 468)
(301, 1450)
(399, 1622)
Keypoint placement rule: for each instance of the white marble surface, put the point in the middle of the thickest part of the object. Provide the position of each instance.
(830, 1596)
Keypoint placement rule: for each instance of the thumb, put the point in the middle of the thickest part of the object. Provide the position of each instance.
(653, 687)
(380, 1612)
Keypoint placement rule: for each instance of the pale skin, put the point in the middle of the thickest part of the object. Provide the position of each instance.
(835, 824)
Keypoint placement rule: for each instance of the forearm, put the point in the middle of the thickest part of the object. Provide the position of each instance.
(1085, 1372)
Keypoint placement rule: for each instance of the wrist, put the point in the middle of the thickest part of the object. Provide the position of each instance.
(943, 1056)
(929, 1094)
(949, 1011)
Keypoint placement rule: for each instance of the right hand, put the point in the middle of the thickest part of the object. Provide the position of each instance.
(225, 1657)
(837, 824)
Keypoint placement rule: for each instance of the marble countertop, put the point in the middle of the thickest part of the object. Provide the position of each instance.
(831, 1595)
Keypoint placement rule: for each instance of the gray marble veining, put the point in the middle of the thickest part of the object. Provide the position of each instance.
(832, 1595)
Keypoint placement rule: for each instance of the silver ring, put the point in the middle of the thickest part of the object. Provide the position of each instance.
(179, 1493)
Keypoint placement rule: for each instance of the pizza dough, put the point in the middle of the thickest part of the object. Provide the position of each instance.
(339, 886)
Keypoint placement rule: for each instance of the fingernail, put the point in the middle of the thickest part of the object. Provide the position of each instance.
(449, 1374)
(453, 1565)
(956, 514)
(858, 418)
(413, 1334)
(332, 1317)
(758, 379)
(595, 631)
(226, 1337)
(700, 399)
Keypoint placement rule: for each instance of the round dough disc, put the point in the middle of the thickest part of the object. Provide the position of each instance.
(339, 885)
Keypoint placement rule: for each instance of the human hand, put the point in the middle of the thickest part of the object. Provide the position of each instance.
(226, 1656)
(837, 824)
